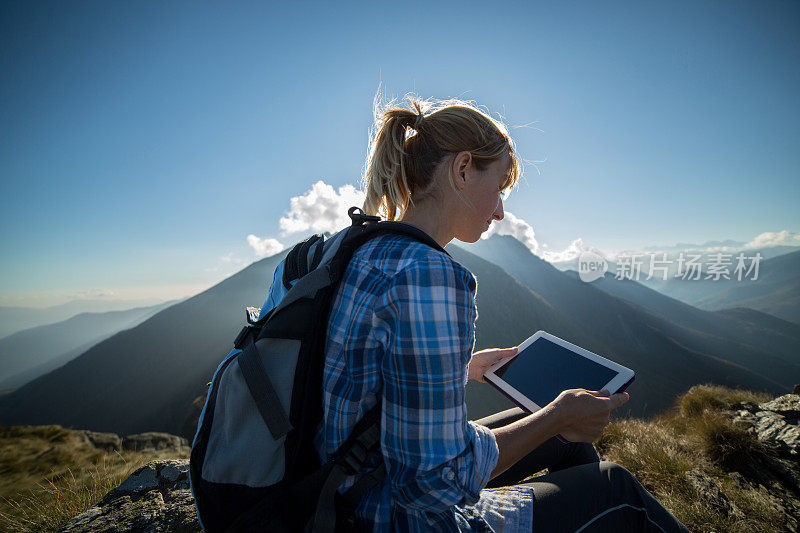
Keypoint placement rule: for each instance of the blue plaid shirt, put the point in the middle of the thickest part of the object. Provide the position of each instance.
(401, 331)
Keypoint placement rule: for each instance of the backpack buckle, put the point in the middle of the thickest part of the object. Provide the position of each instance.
(352, 461)
(360, 218)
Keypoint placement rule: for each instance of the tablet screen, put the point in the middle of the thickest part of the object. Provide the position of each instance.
(544, 369)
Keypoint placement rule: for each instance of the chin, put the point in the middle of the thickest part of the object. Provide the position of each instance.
(470, 238)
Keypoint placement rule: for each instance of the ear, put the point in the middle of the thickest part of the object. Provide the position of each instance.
(462, 162)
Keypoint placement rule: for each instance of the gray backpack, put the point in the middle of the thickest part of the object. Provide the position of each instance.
(253, 465)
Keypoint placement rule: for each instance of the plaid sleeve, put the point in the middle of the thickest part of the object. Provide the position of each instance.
(435, 458)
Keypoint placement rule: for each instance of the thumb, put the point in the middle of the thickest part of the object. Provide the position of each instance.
(619, 398)
(508, 352)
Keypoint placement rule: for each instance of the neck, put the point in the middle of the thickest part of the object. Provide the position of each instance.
(429, 219)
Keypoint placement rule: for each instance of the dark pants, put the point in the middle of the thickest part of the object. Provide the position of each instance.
(580, 492)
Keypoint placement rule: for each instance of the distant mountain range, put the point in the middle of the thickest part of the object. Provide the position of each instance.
(146, 378)
(28, 354)
(13, 319)
(776, 291)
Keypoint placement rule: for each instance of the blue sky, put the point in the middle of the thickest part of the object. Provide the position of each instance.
(141, 142)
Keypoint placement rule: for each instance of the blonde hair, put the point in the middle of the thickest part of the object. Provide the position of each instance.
(406, 146)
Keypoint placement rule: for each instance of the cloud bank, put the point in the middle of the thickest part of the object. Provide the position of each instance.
(769, 238)
(321, 210)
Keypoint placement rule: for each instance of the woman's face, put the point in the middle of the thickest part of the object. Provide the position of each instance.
(483, 190)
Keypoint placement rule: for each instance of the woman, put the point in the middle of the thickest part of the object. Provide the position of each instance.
(401, 333)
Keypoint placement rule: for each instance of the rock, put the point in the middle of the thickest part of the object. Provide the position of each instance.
(109, 442)
(708, 490)
(149, 442)
(156, 498)
(775, 471)
(775, 422)
(796, 389)
(787, 405)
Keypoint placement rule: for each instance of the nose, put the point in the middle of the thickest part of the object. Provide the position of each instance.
(498, 212)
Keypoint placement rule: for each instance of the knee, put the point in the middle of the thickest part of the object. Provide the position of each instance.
(616, 475)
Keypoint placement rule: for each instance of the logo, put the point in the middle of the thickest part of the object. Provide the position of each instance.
(591, 266)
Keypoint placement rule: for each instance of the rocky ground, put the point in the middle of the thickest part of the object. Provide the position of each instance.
(156, 498)
(776, 471)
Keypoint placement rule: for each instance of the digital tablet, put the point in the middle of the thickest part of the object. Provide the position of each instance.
(546, 365)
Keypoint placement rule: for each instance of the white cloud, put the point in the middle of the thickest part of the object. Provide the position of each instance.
(573, 252)
(523, 232)
(517, 228)
(321, 209)
(95, 294)
(264, 247)
(770, 238)
(570, 253)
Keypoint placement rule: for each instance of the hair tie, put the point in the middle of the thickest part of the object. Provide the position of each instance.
(418, 121)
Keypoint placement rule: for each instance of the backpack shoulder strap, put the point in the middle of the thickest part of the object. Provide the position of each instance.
(297, 263)
(373, 226)
(263, 392)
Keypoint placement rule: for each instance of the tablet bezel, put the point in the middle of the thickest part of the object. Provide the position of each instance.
(623, 378)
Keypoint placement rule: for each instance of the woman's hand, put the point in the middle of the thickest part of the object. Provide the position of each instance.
(585, 413)
(485, 359)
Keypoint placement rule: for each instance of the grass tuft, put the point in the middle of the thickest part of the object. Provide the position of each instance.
(714, 398)
(698, 434)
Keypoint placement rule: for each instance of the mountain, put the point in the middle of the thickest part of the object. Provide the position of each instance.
(647, 341)
(673, 251)
(13, 319)
(759, 330)
(145, 377)
(776, 291)
(28, 354)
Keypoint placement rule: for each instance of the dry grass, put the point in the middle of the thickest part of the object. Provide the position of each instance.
(48, 476)
(696, 435)
(702, 398)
